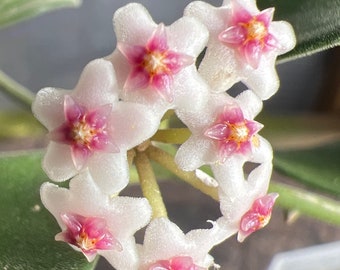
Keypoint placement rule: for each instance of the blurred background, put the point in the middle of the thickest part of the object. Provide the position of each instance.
(52, 49)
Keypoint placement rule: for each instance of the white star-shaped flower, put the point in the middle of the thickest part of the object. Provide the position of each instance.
(167, 247)
(95, 223)
(243, 45)
(155, 64)
(86, 129)
(222, 129)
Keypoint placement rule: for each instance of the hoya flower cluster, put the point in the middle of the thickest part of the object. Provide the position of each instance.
(117, 106)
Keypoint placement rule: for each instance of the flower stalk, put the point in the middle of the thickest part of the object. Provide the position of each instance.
(167, 161)
(307, 203)
(149, 185)
(172, 135)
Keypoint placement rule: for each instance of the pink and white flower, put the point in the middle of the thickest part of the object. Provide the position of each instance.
(95, 223)
(86, 128)
(156, 62)
(167, 247)
(244, 202)
(222, 129)
(243, 46)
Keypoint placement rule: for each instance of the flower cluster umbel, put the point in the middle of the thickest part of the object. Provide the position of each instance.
(118, 105)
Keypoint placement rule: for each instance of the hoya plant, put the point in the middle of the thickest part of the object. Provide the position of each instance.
(161, 101)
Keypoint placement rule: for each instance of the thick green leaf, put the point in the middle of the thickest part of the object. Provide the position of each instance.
(318, 168)
(26, 229)
(13, 11)
(316, 23)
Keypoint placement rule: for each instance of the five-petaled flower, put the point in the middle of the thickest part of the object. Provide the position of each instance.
(86, 130)
(243, 46)
(222, 129)
(250, 34)
(155, 64)
(233, 133)
(89, 234)
(167, 247)
(95, 223)
(110, 111)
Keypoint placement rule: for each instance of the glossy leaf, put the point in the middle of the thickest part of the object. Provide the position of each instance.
(318, 167)
(316, 23)
(13, 11)
(26, 229)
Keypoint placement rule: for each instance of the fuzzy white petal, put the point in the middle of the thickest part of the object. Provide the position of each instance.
(165, 240)
(187, 35)
(132, 124)
(250, 104)
(110, 171)
(129, 18)
(97, 85)
(58, 163)
(194, 153)
(85, 198)
(264, 81)
(48, 107)
(211, 16)
(284, 32)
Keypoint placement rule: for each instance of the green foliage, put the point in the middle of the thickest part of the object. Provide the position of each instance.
(317, 167)
(316, 23)
(13, 11)
(26, 229)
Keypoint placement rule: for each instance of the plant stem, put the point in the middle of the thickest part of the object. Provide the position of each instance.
(149, 185)
(307, 203)
(167, 161)
(16, 90)
(172, 135)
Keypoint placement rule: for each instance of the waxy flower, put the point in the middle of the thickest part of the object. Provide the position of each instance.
(95, 223)
(155, 64)
(167, 247)
(86, 129)
(258, 216)
(87, 234)
(244, 202)
(222, 129)
(243, 46)
(232, 132)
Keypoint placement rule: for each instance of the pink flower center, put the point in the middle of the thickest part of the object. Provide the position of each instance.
(175, 263)
(85, 131)
(154, 64)
(233, 133)
(258, 216)
(250, 34)
(89, 234)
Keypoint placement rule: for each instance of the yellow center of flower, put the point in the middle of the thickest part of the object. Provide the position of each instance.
(82, 133)
(264, 220)
(256, 30)
(239, 132)
(86, 243)
(154, 64)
